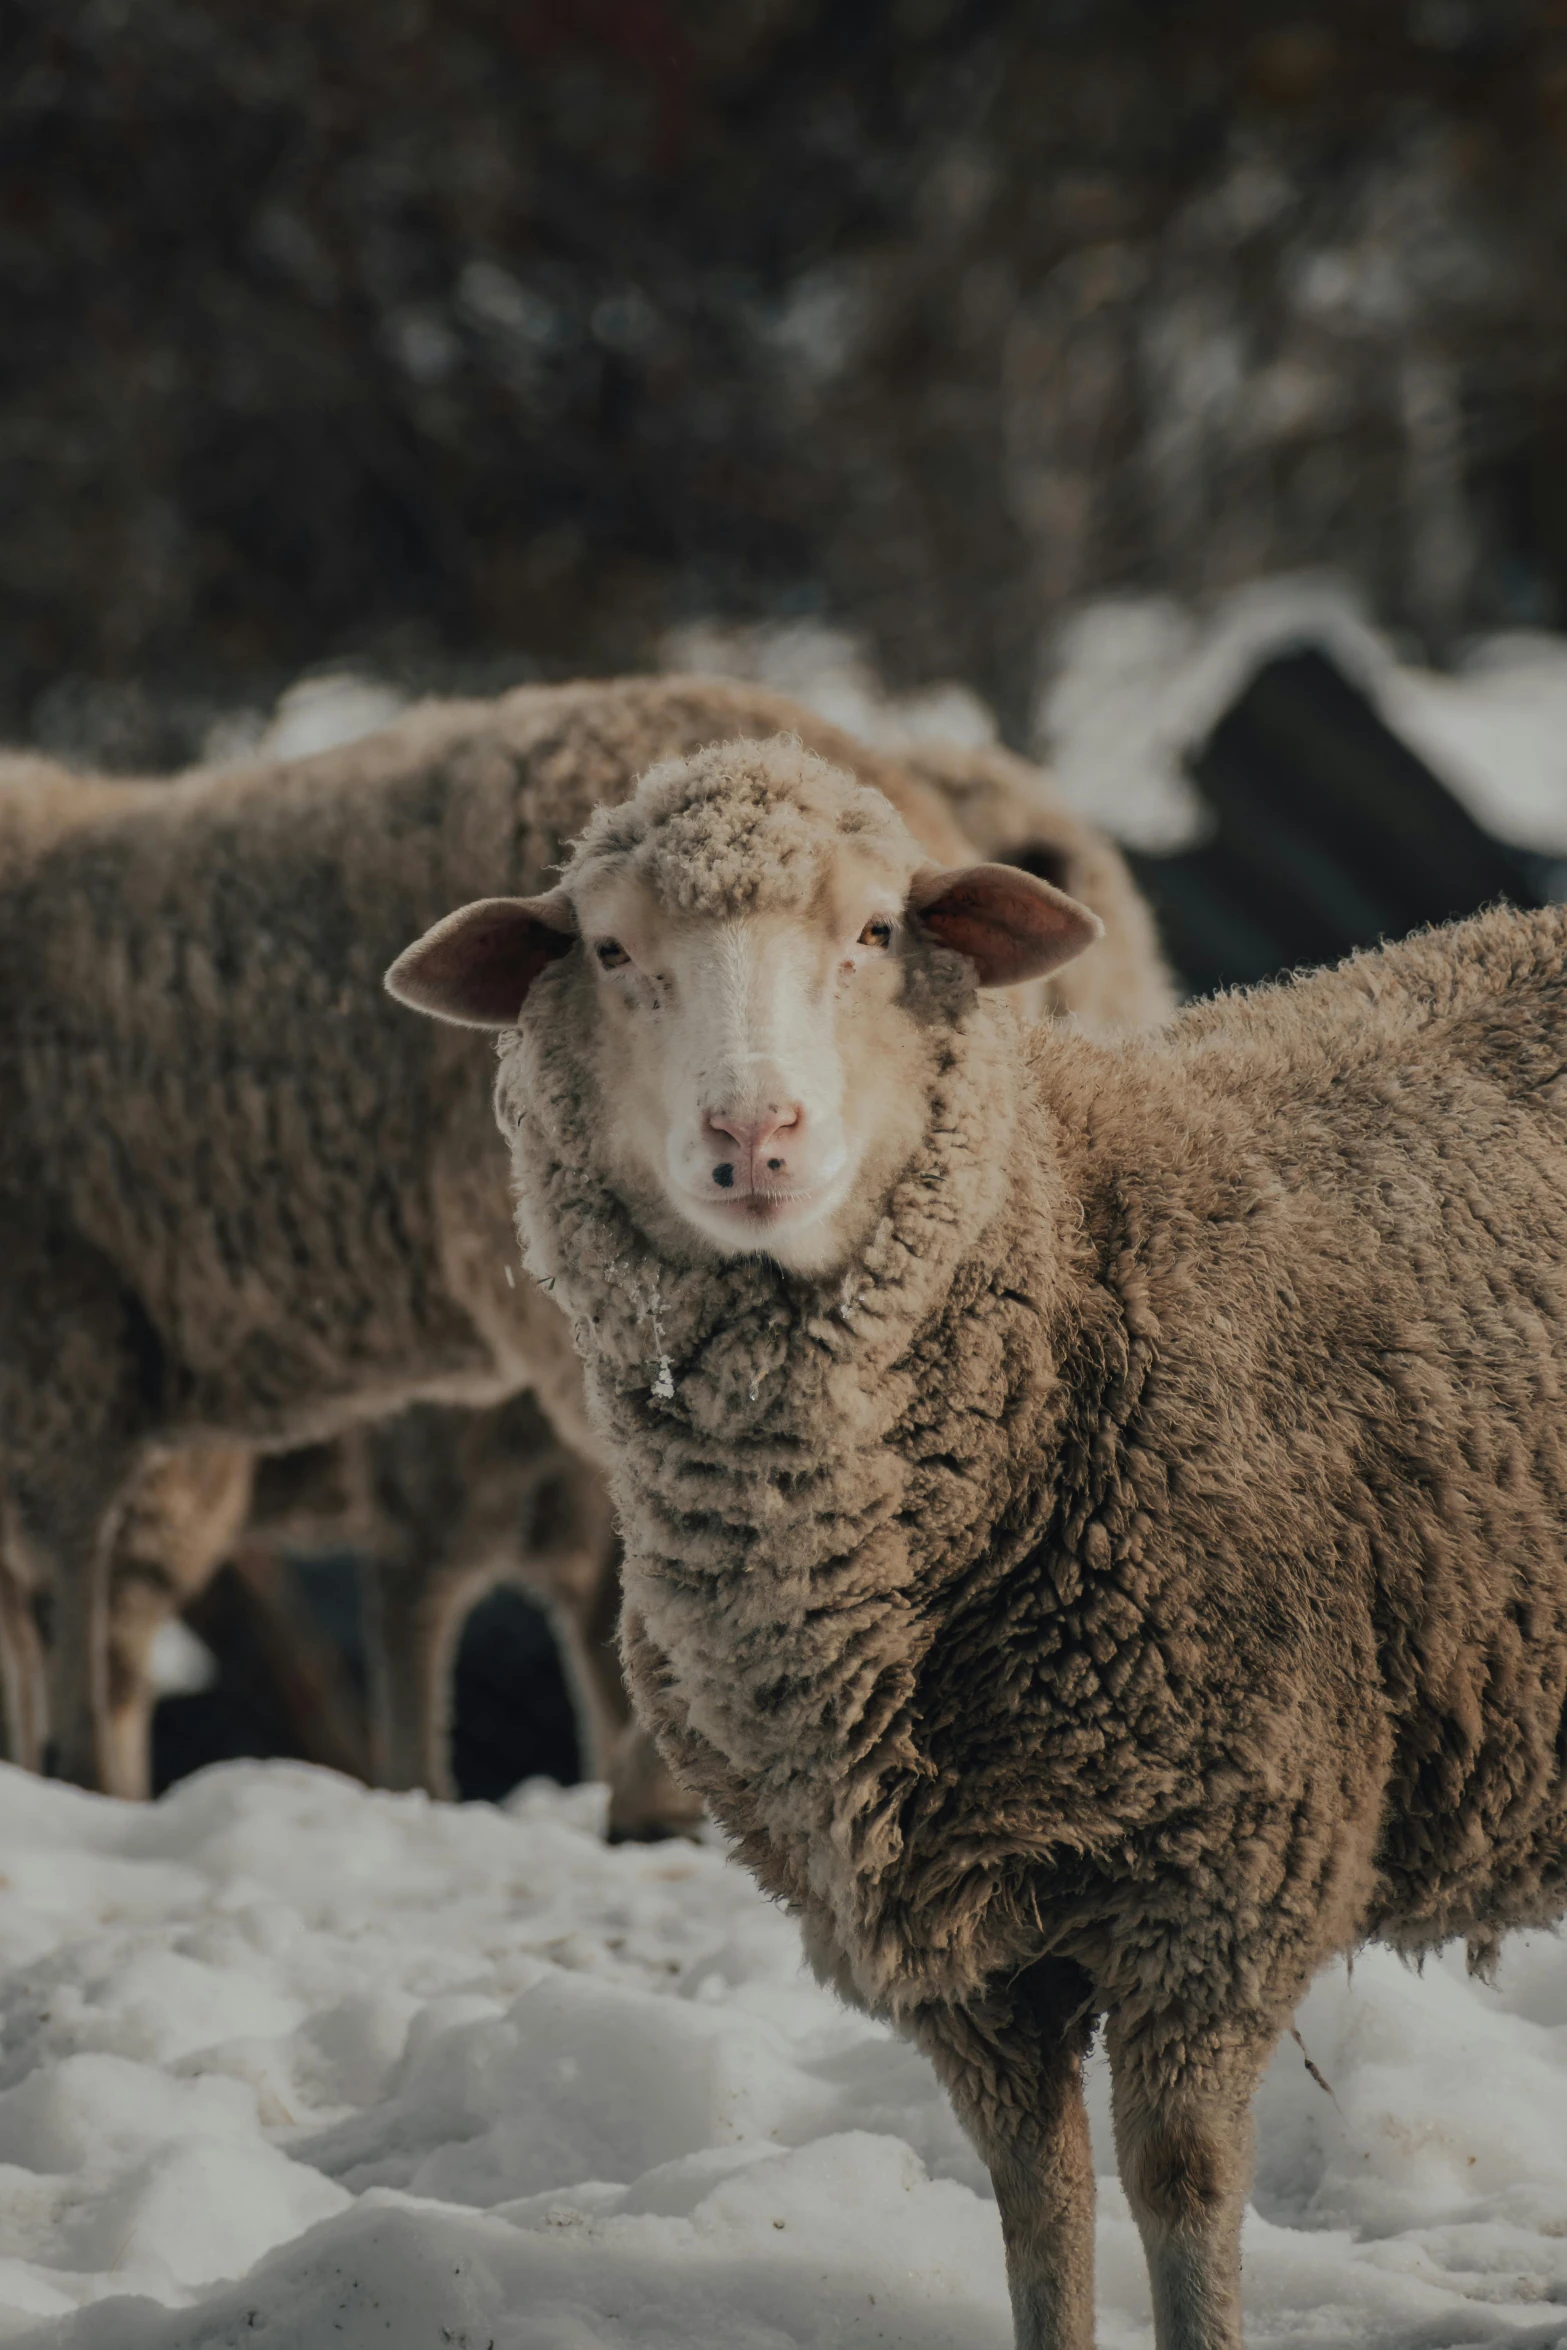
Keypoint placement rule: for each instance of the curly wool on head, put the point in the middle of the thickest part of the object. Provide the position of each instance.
(741, 828)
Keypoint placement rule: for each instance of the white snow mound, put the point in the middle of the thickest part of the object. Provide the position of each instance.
(284, 2064)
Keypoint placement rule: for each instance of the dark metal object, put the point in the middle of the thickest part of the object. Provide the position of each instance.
(1328, 834)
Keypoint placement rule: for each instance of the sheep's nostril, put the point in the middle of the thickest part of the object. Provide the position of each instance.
(724, 1176)
(774, 1165)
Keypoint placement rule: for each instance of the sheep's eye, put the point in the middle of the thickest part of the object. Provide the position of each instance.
(877, 932)
(611, 954)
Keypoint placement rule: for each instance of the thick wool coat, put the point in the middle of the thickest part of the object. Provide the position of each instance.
(1150, 1550)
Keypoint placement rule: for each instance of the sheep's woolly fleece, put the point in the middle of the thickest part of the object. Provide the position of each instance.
(741, 827)
(418, 2077)
(1151, 1549)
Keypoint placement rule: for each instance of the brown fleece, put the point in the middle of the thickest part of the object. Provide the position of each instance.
(244, 1198)
(1141, 1573)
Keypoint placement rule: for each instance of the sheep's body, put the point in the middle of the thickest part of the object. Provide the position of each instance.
(246, 1202)
(1143, 1572)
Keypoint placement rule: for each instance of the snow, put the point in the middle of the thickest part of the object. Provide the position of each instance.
(179, 1664)
(829, 670)
(318, 712)
(284, 2063)
(1131, 684)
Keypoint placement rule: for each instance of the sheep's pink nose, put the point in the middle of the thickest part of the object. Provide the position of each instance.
(762, 1147)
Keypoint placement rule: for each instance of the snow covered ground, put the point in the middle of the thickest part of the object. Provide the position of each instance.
(435, 2079)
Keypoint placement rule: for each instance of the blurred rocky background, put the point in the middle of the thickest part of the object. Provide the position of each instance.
(497, 337)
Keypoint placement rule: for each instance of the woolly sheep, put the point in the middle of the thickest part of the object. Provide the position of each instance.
(244, 1205)
(1095, 1515)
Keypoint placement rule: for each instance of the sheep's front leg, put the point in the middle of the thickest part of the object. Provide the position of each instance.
(581, 1582)
(414, 1616)
(23, 1714)
(1012, 2063)
(75, 1543)
(1182, 2088)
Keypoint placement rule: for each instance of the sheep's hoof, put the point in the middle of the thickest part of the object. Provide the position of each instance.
(654, 1832)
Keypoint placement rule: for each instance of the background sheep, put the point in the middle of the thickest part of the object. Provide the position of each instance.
(440, 1504)
(1107, 1554)
(200, 1094)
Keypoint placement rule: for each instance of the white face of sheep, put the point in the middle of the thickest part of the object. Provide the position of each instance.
(754, 1062)
(761, 1075)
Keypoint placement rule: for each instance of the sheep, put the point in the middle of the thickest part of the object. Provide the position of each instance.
(1095, 1515)
(243, 1207)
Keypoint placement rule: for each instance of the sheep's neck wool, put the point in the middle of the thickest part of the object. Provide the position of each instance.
(797, 1460)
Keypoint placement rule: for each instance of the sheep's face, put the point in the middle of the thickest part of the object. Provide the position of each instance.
(766, 1076)
(745, 937)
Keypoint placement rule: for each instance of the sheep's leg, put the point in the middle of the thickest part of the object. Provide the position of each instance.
(647, 1803)
(22, 1708)
(180, 1519)
(82, 1377)
(76, 1546)
(1012, 2064)
(133, 1625)
(21, 1687)
(142, 1598)
(583, 1592)
(1182, 2089)
(413, 1621)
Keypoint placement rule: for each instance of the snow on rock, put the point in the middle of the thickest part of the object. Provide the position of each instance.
(286, 2064)
(1136, 682)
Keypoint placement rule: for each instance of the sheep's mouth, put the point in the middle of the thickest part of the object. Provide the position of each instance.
(760, 1207)
(744, 1217)
(769, 1216)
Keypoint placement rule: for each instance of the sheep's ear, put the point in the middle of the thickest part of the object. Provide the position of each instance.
(477, 966)
(1011, 926)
